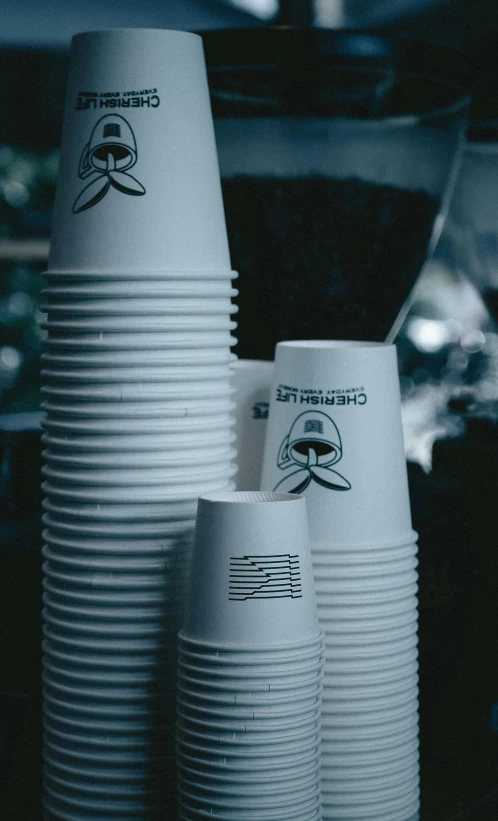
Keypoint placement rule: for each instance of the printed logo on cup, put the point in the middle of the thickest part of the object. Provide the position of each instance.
(312, 445)
(264, 577)
(107, 157)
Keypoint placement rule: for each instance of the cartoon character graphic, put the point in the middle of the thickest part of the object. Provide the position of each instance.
(108, 155)
(312, 445)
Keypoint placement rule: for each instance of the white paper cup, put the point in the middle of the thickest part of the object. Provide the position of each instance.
(247, 651)
(182, 423)
(383, 809)
(364, 572)
(57, 759)
(363, 600)
(69, 287)
(119, 305)
(180, 343)
(272, 780)
(145, 542)
(58, 636)
(363, 778)
(134, 324)
(159, 494)
(343, 693)
(159, 131)
(129, 478)
(325, 555)
(176, 365)
(387, 755)
(251, 576)
(139, 444)
(249, 770)
(72, 799)
(252, 381)
(301, 698)
(239, 800)
(335, 434)
(358, 615)
(332, 584)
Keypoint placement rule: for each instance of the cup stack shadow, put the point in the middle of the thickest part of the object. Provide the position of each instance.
(334, 434)
(250, 664)
(138, 402)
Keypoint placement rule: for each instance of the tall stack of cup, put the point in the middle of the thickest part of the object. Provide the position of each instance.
(334, 434)
(137, 400)
(250, 664)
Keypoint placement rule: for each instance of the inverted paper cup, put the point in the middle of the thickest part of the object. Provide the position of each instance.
(139, 444)
(342, 631)
(87, 786)
(140, 168)
(230, 719)
(388, 755)
(333, 584)
(72, 799)
(134, 324)
(143, 476)
(302, 698)
(181, 423)
(335, 435)
(108, 461)
(120, 305)
(249, 770)
(177, 365)
(181, 344)
(70, 658)
(240, 799)
(57, 757)
(381, 809)
(358, 615)
(251, 659)
(159, 493)
(381, 790)
(272, 671)
(377, 718)
(361, 778)
(251, 558)
(271, 781)
(119, 760)
(368, 708)
(327, 556)
(365, 571)
(156, 537)
(252, 381)
(64, 286)
(368, 693)
(195, 647)
(372, 639)
(361, 600)
(137, 646)
(102, 406)
(181, 513)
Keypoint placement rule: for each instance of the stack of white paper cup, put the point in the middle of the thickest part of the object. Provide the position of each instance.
(138, 400)
(250, 664)
(334, 434)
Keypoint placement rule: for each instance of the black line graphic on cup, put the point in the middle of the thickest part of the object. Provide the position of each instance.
(312, 445)
(108, 155)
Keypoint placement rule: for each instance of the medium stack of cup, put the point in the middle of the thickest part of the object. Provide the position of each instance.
(137, 397)
(250, 665)
(335, 435)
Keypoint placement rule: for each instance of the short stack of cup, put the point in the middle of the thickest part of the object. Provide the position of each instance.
(335, 435)
(250, 665)
(137, 400)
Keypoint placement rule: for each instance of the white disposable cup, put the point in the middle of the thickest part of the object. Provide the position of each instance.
(239, 800)
(101, 405)
(76, 659)
(332, 585)
(394, 737)
(365, 694)
(246, 544)
(81, 675)
(179, 343)
(370, 649)
(119, 760)
(135, 324)
(175, 364)
(180, 424)
(352, 555)
(188, 278)
(196, 647)
(159, 494)
(340, 441)
(358, 760)
(279, 686)
(373, 718)
(214, 711)
(177, 221)
(374, 639)
(136, 306)
(128, 478)
(247, 756)
(73, 800)
(252, 381)
(57, 634)
(367, 709)
(143, 370)
(301, 698)
(194, 458)
(374, 792)
(383, 809)
(122, 539)
(181, 514)
(358, 615)
(361, 777)
(273, 780)
(86, 785)
(114, 775)
(250, 770)
(355, 599)
(63, 287)
(362, 573)
(228, 720)
(137, 443)
(346, 632)
(243, 659)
